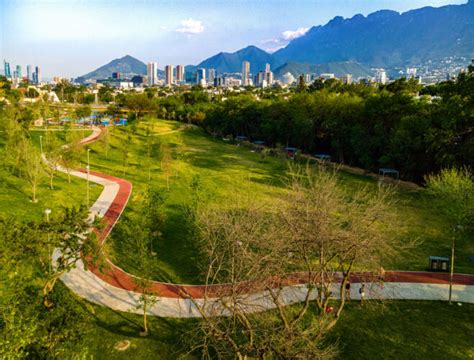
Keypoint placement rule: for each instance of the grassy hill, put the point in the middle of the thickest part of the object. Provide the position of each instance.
(227, 171)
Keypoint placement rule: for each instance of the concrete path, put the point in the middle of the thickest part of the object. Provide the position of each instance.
(115, 288)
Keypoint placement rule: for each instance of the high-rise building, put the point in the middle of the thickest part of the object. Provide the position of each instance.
(152, 73)
(38, 75)
(6, 69)
(116, 75)
(347, 79)
(179, 73)
(268, 75)
(288, 78)
(18, 72)
(211, 75)
(201, 77)
(245, 73)
(169, 75)
(381, 77)
(29, 72)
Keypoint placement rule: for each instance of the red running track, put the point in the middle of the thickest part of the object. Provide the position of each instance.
(115, 276)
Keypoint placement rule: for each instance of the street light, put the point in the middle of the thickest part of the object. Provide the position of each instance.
(88, 173)
(50, 256)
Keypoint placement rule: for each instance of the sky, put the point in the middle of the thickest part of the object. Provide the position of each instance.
(72, 37)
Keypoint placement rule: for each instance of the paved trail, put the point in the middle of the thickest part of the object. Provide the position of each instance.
(114, 288)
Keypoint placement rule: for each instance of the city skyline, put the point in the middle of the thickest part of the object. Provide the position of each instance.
(71, 38)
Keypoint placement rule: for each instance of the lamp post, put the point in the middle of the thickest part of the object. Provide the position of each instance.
(88, 173)
(50, 256)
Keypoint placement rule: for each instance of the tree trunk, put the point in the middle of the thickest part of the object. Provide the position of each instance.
(33, 188)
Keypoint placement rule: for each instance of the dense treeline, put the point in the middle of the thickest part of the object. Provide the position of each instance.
(402, 125)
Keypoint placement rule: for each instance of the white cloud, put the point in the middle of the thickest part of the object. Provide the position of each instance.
(293, 34)
(191, 26)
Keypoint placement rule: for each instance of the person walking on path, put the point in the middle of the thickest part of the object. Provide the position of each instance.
(348, 291)
(382, 277)
(362, 294)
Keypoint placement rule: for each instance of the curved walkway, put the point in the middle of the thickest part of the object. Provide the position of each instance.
(115, 288)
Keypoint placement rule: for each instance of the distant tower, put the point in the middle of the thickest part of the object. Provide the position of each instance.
(201, 77)
(38, 75)
(6, 69)
(152, 73)
(381, 77)
(245, 73)
(169, 74)
(18, 72)
(347, 79)
(179, 73)
(29, 72)
(211, 75)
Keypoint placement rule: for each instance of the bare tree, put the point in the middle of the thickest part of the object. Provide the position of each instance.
(301, 251)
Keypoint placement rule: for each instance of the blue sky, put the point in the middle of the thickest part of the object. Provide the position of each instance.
(72, 37)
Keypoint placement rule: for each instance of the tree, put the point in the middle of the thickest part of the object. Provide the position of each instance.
(301, 87)
(83, 111)
(69, 235)
(29, 329)
(53, 153)
(105, 140)
(454, 190)
(318, 235)
(32, 165)
(144, 228)
(70, 156)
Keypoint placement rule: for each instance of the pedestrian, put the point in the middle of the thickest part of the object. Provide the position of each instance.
(348, 291)
(382, 277)
(362, 294)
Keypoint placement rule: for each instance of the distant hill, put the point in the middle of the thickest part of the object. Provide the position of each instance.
(338, 68)
(386, 38)
(126, 65)
(232, 62)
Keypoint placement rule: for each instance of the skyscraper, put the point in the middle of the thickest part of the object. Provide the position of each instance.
(18, 72)
(381, 77)
(245, 73)
(211, 75)
(268, 75)
(169, 74)
(6, 69)
(347, 79)
(29, 72)
(152, 73)
(38, 74)
(201, 77)
(179, 73)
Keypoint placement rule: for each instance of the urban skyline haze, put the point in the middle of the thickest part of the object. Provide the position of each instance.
(70, 38)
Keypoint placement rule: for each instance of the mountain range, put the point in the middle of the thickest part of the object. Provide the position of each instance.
(386, 38)
(382, 39)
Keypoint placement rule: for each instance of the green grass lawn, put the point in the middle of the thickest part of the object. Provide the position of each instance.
(15, 192)
(406, 330)
(390, 330)
(227, 171)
